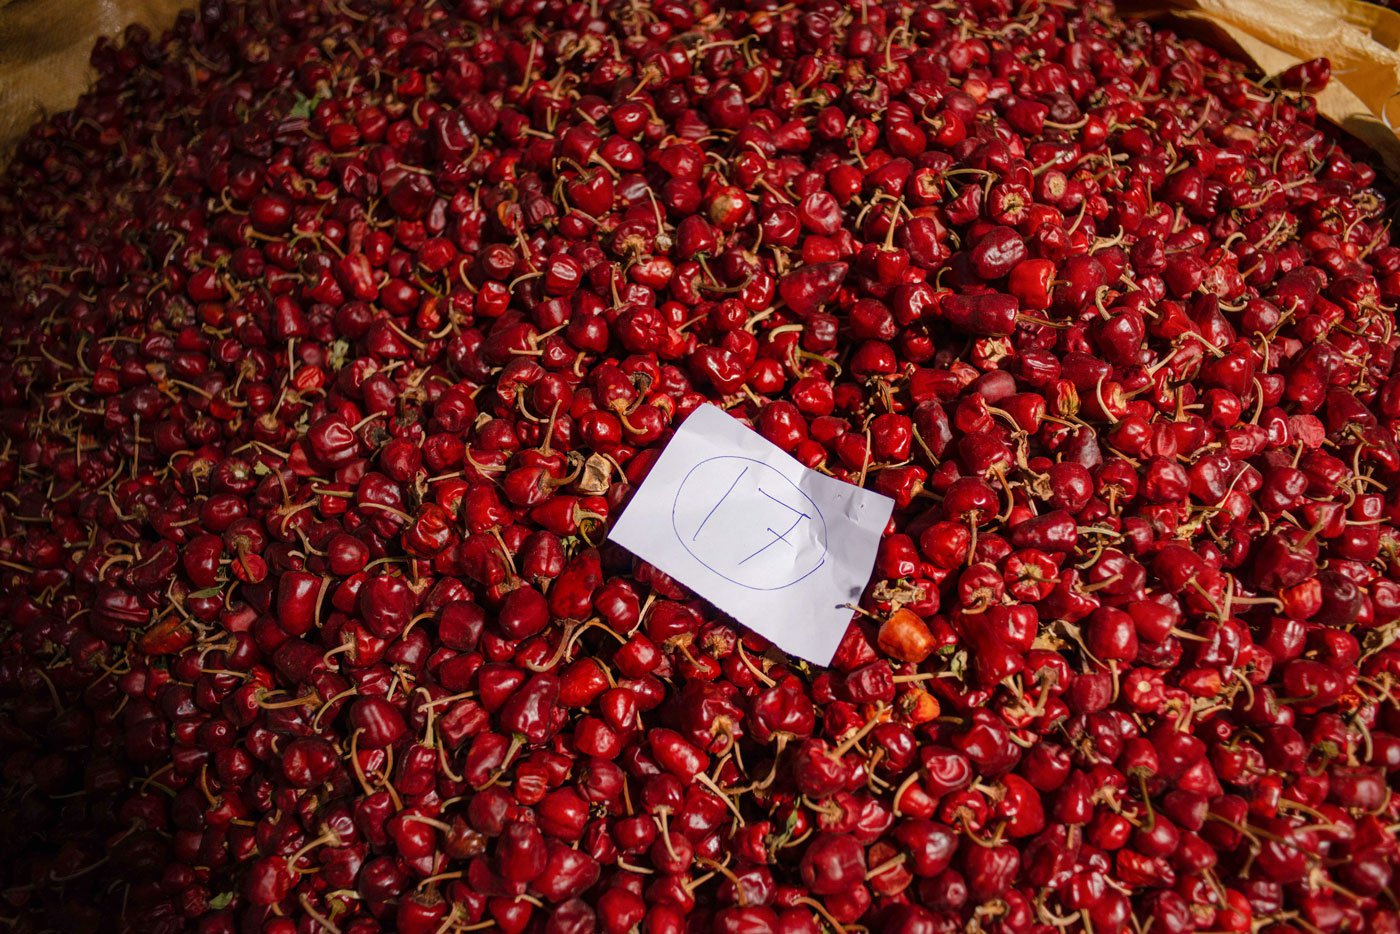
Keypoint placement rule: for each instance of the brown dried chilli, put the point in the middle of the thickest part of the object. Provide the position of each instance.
(335, 334)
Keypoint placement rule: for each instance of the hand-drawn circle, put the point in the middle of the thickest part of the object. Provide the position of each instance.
(720, 472)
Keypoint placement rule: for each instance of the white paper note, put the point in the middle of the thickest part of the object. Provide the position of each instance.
(780, 548)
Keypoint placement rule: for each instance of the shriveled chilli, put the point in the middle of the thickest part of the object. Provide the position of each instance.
(335, 336)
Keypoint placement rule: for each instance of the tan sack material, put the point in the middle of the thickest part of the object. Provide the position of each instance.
(45, 44)
(44, 50)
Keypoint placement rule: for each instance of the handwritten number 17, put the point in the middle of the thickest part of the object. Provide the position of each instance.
(799, 515)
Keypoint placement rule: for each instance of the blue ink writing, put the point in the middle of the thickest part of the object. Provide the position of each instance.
(720, 503)
(763, 532)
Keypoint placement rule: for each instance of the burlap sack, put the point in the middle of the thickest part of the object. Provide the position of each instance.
(44, 49)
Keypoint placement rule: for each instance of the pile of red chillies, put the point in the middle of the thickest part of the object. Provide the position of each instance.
(335, 334)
